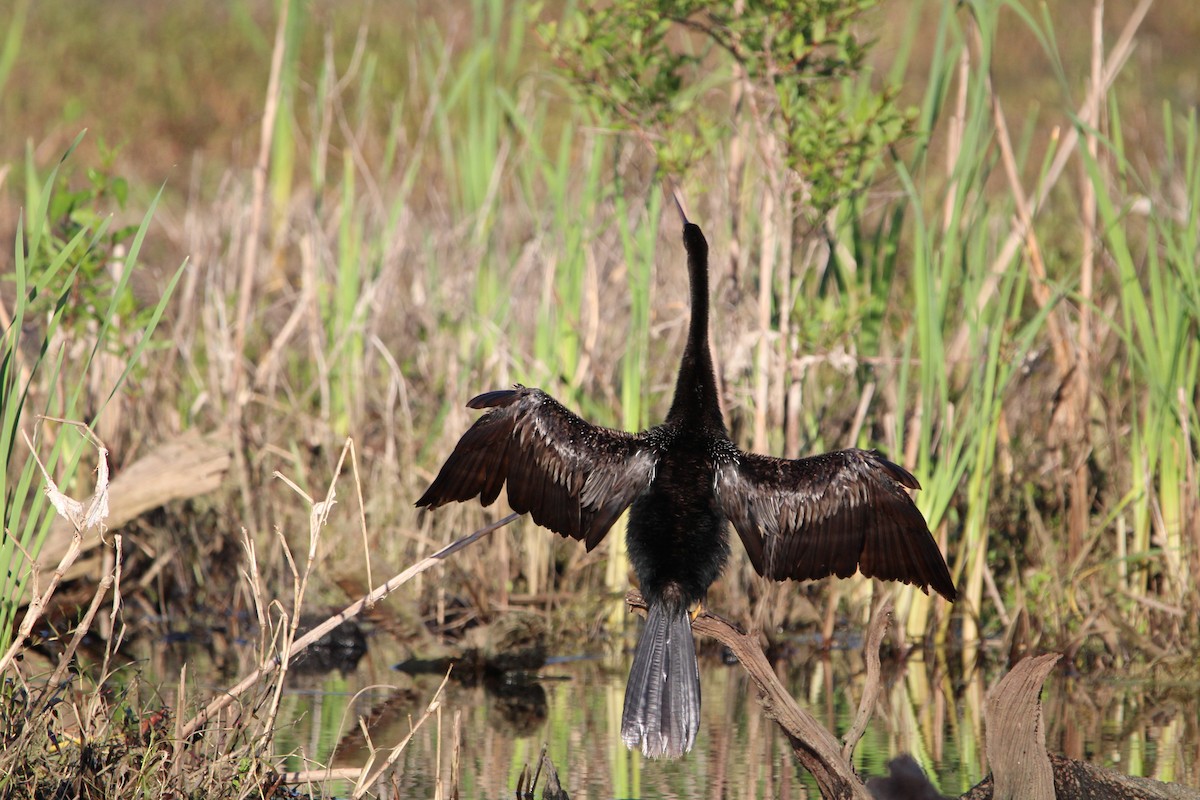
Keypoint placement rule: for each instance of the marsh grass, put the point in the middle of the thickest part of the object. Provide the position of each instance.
(474, 230)
(98, 730)
(77, 362)
(417, 229)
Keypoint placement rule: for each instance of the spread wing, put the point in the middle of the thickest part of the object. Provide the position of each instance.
(572, 477)
(829, 515)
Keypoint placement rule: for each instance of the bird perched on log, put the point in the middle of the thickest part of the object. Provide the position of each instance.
(683, 482)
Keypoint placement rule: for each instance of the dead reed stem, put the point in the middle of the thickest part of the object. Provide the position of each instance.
(320, 775)
(82, 519)
(1065, 147)
(371, 773)
(250, 245)
(81, 630)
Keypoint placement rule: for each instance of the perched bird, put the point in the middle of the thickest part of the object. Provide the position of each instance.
(682, 481)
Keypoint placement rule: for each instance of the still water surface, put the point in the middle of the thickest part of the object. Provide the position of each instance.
(575, 710)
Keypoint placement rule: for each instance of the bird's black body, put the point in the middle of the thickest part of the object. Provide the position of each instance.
(684, 482)
(676, 536)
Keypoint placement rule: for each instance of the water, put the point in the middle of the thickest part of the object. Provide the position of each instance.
(1140, 728)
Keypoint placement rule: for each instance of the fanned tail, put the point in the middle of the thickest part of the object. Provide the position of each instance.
(662, 698)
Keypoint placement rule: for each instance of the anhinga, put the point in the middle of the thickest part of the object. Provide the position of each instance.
(682, 481)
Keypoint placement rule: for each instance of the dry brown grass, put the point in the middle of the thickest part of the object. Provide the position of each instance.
(97, 730)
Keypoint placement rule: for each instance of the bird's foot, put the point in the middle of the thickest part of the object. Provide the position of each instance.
(697, 611)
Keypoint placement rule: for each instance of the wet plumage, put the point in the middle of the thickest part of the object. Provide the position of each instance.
(684, 481)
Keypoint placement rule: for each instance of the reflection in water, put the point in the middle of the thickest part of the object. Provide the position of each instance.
(1140, 729)
(518, 705)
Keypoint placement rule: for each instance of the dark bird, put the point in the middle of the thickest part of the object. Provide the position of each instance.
(682, 480)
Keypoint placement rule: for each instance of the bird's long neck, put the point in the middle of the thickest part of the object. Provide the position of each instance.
(696, 399)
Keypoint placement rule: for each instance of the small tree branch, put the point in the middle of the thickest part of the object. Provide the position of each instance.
(866, 707)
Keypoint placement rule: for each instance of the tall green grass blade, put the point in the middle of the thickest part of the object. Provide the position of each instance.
(12, 40)
(283, 136)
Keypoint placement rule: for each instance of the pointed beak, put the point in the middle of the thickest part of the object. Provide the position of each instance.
(671, 189)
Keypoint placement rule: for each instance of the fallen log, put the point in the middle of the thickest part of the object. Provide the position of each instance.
(1078, 779)
(191, 465)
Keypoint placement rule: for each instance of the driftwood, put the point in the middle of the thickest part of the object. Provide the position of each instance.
(1021, 767)
(190, 465)
(1015, 738)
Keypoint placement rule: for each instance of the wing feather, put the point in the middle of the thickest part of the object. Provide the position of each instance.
(831, 514)
(572, 477)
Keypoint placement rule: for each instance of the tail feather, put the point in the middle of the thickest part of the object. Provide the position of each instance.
(662, 698)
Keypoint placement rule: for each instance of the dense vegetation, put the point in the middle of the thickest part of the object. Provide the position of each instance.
(981, 259)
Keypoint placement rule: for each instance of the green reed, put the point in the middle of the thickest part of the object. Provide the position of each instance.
(1159, 327)
(63, 297)
(26, 515)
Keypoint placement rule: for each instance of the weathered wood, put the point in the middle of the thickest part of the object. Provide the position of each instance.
(1078, 780)
(815, 748)
(188, 466)
(1016, 738)
(1021, 767)
(880, 618)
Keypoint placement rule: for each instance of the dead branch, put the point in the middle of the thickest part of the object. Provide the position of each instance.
(1016, 742)
(866, 706)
